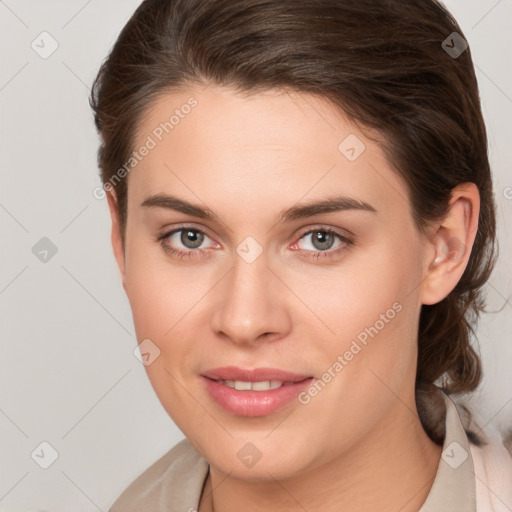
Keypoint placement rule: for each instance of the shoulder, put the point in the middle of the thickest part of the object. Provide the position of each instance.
(173, 482)
(493, 476)
(490, 475)
(492, 463)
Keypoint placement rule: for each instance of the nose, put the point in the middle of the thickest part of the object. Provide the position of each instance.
(252, 305)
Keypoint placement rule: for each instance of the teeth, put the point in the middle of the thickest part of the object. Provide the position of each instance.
(264, 385)
(241, 385)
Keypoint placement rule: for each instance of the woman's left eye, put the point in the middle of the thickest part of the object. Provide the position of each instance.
(322, 241)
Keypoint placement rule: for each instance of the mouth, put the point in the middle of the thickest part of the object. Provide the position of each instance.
(253, 392)
(262, 385)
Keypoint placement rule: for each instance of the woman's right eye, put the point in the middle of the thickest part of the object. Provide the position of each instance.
(189, 238)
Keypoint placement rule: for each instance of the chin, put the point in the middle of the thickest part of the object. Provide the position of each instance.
(258, 460)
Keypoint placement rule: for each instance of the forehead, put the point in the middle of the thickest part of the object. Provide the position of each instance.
(275, 145)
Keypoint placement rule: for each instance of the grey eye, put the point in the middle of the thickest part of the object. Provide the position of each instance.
(322, 240)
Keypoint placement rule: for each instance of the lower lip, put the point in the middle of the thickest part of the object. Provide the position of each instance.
(254, 403)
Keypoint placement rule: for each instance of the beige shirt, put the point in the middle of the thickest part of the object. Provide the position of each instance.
(175, 481)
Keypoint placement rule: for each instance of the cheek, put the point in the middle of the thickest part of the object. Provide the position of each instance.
(384, 307)
(371, 306)
(364, 290)
(160, 297)
(373, 309)
(168, 307)
(159, 293)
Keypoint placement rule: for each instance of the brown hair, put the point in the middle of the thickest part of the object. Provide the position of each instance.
(383, 62)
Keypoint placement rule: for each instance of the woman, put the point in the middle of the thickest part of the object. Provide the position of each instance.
(302, 215)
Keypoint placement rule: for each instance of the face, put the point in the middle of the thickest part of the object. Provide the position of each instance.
(316, 307)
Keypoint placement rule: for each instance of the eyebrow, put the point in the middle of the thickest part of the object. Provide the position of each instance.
(329, 205)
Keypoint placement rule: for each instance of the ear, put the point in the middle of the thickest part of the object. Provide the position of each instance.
(448, 244)
(117, 244)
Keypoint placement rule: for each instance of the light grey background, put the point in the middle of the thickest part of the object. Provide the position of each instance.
(68, 373)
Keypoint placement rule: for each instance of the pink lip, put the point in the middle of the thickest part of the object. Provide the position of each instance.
(253, 403)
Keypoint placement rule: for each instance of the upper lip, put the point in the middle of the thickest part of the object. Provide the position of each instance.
(253, 375)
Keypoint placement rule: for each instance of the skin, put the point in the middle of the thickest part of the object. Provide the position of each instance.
(358, 444)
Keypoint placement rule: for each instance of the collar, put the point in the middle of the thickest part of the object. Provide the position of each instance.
(454, 485)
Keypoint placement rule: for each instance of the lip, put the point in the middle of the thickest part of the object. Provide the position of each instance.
(253, 403)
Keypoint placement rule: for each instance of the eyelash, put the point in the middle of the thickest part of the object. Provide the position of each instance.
(193, 253)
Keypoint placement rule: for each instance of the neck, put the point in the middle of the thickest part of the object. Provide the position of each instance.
(391, 469)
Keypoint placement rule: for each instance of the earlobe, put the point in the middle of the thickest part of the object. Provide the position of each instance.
(117, 244)
(448, 247)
